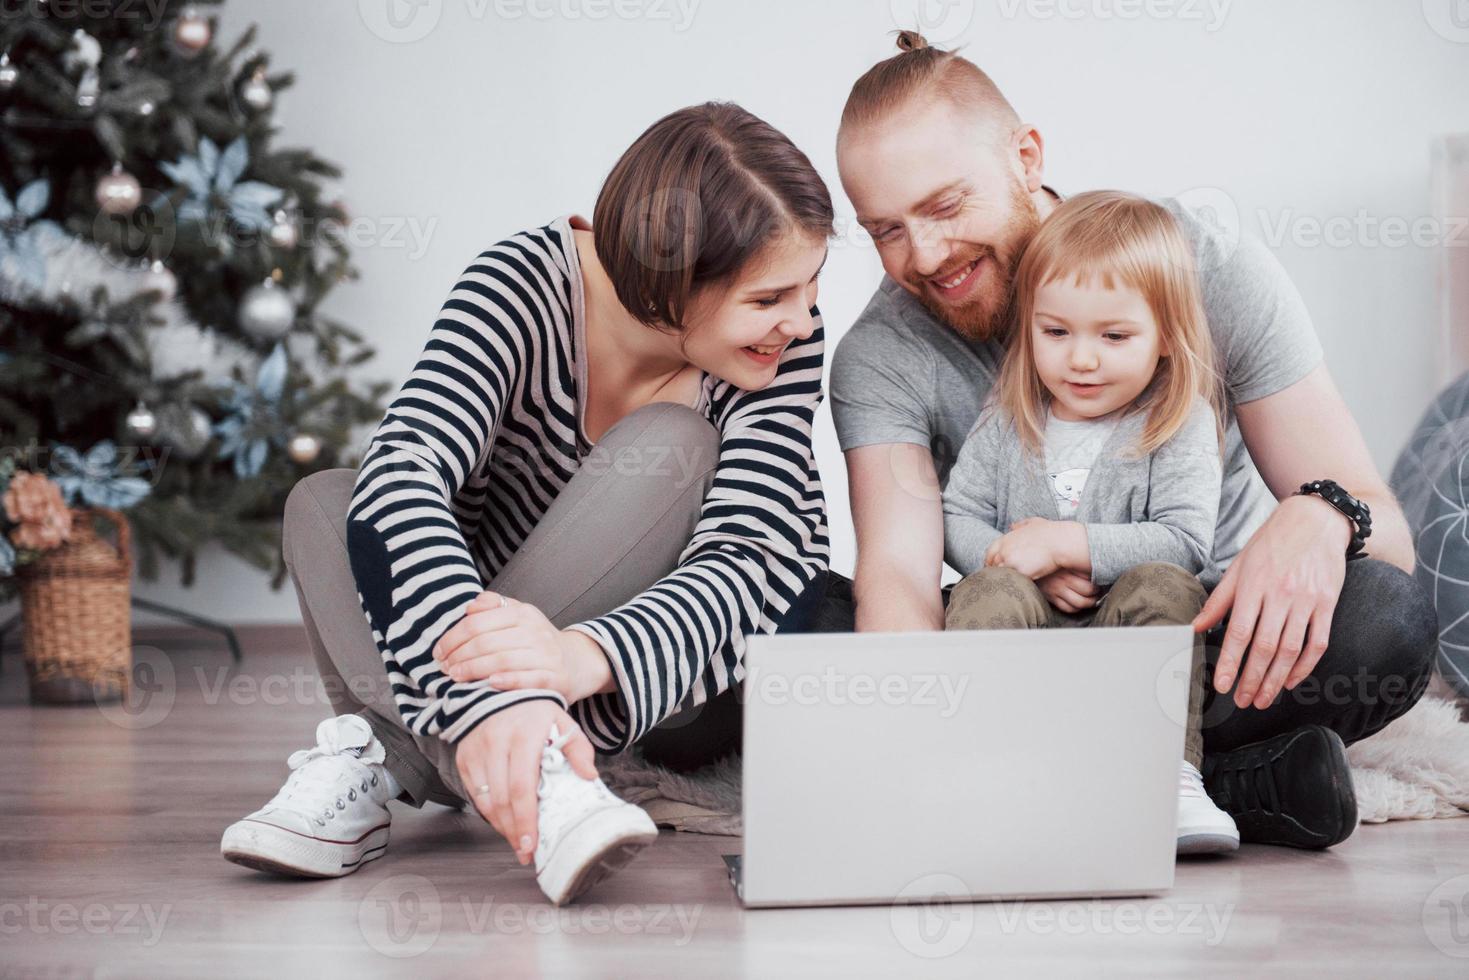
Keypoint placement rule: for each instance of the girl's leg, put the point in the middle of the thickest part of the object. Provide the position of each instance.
(1159, 593)
(998, 599)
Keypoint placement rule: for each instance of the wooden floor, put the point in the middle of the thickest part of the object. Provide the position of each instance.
(109, 866)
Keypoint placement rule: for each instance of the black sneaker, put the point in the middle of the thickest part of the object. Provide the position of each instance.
(1294, 789)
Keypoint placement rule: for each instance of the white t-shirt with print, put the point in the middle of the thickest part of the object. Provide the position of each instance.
(1072, 449)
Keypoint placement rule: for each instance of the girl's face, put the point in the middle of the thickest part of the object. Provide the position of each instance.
(1095, 348)
(739, 334)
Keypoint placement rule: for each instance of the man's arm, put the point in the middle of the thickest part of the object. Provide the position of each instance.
(1305, 433)
(1281, 591)
(898, 513)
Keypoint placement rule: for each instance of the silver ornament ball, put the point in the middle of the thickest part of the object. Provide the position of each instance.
(185, 429)
(8, 73)
(141, 422)
(304, 447)
(283, 231)
(118, 192)
(257, 93)
(266, 311)
(161, 279)
(191, 33)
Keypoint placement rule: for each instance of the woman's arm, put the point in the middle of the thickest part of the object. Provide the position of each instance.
(414, 572)
(760, 541)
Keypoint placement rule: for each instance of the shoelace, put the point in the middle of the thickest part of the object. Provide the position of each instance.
(1190, 782)
(561, 790)
(317, 788)
(1251, 785)
(340, 758)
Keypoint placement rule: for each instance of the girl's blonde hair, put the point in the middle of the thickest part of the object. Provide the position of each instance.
(1115, 238)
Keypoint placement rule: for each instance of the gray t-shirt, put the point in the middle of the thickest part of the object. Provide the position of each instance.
(899, 375)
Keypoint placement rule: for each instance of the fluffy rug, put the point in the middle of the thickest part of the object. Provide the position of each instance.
(1414, 769)
(1417, 767)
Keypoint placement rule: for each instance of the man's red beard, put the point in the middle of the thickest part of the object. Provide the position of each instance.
(983, 315)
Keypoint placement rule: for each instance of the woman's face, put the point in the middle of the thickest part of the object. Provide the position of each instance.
(739, 334)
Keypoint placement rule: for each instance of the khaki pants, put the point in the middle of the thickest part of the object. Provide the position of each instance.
(1156, 593)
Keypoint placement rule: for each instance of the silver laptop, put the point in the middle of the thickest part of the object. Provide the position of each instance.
(970, 765)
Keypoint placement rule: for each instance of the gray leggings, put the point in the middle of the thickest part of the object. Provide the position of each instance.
(611, 532)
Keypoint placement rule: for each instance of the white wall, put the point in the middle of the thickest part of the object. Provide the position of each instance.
(506, 114)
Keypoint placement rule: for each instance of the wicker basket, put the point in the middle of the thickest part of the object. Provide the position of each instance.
(76, 605)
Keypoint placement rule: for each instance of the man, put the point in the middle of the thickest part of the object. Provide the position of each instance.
(948, 181)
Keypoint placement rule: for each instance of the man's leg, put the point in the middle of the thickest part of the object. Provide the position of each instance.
(1282, 772)
(1384, 638)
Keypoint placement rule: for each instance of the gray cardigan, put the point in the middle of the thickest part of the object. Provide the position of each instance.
(1158, 507)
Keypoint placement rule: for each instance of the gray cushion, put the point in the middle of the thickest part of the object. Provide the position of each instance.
(1431, 480)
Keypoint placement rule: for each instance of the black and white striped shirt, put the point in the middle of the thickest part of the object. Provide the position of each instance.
(443, 499)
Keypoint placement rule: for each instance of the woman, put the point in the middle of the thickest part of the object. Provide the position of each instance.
(611, 425)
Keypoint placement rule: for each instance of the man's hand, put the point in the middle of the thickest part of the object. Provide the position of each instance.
(503, 752)
(1070, 592)
(513, 646)
(1036, 547)
(1280, 595)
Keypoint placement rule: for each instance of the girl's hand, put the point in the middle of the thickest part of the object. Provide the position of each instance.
(1070, 592)
(1036, 547)
(1027, 549)
(503, 753)
(513, 646)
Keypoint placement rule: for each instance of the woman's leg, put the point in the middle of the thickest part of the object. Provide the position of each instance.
(618, 526)
(313, 541)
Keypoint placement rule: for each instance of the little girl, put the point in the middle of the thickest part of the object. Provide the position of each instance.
(1098, 456)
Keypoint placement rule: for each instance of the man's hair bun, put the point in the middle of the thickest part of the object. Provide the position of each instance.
(911, 41)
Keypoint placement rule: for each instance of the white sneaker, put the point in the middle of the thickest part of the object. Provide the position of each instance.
(330, 817)
(586, 833)
(1203, 828)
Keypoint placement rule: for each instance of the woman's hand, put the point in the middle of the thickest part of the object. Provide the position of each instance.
(1036, 547)
(513, 646)
(503, 753)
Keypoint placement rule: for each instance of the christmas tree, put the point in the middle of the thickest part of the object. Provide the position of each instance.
(161, 269)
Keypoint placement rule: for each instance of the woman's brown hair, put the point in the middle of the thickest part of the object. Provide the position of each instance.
(1115, 238)
(699, 194)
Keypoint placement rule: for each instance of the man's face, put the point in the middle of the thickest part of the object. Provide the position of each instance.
(947, 211)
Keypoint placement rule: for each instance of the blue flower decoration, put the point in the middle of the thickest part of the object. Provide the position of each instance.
(21, 235)
(7, 556)
(95, 479)
(252, 414)
(215, 174)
